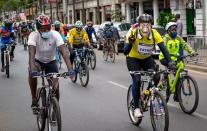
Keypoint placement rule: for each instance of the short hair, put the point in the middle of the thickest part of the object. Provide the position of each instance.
(177, 16)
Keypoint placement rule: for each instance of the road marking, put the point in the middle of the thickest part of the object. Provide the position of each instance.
(200, 73)
(117, 84)
(170, 104)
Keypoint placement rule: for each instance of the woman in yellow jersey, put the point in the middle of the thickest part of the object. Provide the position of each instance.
(140, 43)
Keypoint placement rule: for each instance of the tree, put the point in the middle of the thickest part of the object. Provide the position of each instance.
(164, 18)
(116, 15)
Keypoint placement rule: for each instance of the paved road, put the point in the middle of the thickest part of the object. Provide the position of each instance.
(99, 107)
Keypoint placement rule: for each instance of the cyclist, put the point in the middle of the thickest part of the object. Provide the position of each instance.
(42, 48)
(78, 37)
(173, 43)
(116, 37)
(24, 30)
(90, 31)
(108, 33)
(140, 43)
(7, 37)
(59, 28)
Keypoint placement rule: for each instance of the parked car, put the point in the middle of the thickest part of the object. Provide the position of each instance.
(122, 28)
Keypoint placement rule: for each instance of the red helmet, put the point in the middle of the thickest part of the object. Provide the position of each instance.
(42, 20)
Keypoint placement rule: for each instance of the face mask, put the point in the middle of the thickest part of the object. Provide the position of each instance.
(46, 35)
(57, 29)
(173, 34)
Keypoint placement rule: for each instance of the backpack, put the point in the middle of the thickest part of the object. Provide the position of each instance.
(108, 32)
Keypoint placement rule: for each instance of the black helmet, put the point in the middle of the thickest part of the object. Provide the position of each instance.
(8, 23)
(145, 18)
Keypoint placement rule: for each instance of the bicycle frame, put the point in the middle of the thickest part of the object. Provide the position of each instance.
(173, 83)
(80, 56)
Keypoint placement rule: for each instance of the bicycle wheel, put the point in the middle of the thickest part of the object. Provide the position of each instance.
(7, 65)
(112, 53)
(76, 72)
(25, 44)
(130, 108)
(93, 60)
(84, 74)
(42, 113)
(105, 53)
(54, 116)
(186, 90)
(159, 114)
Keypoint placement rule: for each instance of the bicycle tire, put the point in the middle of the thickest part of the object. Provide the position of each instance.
(25, 44)
(112, 53)
(85, 67)
(76, 72)
(180, 90)
(41, 117)
(93, 59)
(56, 111)
(135, 121)
(7, 65)
(105, 53)
(164, 104)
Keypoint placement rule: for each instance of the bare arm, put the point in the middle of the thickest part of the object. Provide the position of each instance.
(65, 55)
(32, 52)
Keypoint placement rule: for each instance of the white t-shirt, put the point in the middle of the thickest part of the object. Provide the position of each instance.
(45, 48)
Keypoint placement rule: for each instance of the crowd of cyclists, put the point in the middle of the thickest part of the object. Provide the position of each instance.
(45, 39)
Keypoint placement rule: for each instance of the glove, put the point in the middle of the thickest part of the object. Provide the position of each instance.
(131, 39)
(171, 65)
(35, 73)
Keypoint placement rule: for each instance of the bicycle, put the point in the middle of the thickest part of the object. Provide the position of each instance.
(25, 39)
(81, 67)
(150, 97)
(90, 58)
(58, 58)
(49, 109)
(109, 50)
(169, 86)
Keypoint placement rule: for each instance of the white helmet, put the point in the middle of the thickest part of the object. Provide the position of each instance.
(78, 24)
(170, 24)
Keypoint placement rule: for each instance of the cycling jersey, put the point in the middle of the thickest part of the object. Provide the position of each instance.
(45, 48)
(77, 38)
(173, 46)
(143, 46)
(90, 31)
(6, 35)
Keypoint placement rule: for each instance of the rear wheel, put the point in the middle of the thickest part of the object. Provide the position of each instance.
(112, 53)
(84, 74)
(7, 65)
(25, 44)
(105, 53)
(130, 108)
(159, 113)
(188, 94)
(54, 116)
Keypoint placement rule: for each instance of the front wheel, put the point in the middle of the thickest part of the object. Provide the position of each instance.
(93, 60)
(188, 94)
(76, 72)
(41, 114)
(54, 116)
(84, 74)
(7, 65)
(130, 108)
(158, 112)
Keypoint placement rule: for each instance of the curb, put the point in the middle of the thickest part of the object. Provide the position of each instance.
(196, 68)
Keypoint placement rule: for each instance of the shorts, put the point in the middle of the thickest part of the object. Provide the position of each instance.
(50, 67)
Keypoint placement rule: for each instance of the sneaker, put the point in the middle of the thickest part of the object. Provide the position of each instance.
(34, 106)
(137, 113)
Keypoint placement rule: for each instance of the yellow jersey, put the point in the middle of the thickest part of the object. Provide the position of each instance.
(77, 38)
(143, 46)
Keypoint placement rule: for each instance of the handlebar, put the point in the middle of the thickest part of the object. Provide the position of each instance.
(52, 75)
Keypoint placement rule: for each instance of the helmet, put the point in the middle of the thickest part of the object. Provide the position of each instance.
(57, 22)
(42, 20)
(78, 24)
(145, 18)
(8, 23)
(170, 24)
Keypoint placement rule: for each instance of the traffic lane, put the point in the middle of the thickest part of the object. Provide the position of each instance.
(119, 74)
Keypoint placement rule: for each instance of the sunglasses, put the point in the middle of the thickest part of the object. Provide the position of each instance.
(173, 29)
(78, 29)
(45, 28)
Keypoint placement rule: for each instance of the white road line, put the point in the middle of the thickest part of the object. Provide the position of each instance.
(170, 104)
(199, 72)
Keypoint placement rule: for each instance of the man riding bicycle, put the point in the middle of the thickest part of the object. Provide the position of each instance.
(174, 43)
(42, 48)
(7, 37)
(90, 31)
(59, 28)
(24, 30)
(78, 37)
(140, 43)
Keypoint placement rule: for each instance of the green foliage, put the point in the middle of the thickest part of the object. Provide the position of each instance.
(6, 5)
(164, 18)
(116, 15)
